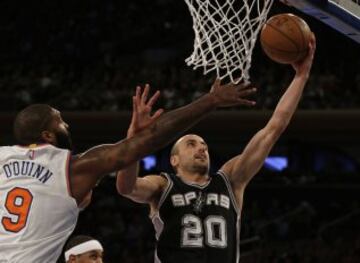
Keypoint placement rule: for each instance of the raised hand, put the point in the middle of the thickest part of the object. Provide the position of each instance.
(142, 107)
(303, 67)
(230, 94)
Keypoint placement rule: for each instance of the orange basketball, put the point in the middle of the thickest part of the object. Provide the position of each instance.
(285, 38)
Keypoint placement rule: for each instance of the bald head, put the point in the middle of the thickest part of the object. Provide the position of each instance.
(175, 148)
(190, 153)
(30, 122)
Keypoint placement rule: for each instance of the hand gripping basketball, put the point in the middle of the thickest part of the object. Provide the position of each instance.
(303, 67)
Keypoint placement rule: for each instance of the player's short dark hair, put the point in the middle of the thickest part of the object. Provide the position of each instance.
(30, 122)
(77, 240)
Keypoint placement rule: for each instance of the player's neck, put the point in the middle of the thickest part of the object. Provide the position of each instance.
(194, 178)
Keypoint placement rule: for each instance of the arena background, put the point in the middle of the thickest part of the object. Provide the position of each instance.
(86, 58)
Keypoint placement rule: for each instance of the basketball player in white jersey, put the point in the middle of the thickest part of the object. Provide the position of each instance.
(83, 249)
(42, 185)
(196, 215)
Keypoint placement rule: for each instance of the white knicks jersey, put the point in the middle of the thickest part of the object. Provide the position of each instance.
(37, 212)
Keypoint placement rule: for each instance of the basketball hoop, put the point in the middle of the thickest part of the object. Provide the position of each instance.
(225, 35)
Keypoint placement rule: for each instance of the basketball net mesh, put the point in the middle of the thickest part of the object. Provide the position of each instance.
(225, 35)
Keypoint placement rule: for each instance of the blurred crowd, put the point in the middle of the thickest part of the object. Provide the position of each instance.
(91, 55)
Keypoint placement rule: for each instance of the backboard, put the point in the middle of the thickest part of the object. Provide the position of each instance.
(342, 15)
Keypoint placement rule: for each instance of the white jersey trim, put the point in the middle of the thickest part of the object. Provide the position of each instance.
(67, 173)
(33, 146)
(162, 197)
(230, 190)
(67, 179)
(238, 212)
(156, 258)
(238, 227)
(159, 227)
(166, 191)
(200, 186)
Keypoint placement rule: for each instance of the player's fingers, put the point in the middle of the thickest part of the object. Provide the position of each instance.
(311, 52)
(246, 92)
(217, 83)
(135, 111)
(242, 86)
(138, 91)
(133, 102)
(247, 102)
(153, 99)
(157, 114)
(238, 83)
(312, 43)
(145, 93)
(138, 95)
(135, 105)
(312, 38)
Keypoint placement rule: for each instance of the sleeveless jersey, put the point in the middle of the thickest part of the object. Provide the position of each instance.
(197, 223)
(37, 213)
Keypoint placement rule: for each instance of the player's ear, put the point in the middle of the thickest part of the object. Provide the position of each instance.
(174, 160)
(49, 137)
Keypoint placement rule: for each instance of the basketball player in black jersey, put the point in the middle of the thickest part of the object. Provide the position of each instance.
(196, 215)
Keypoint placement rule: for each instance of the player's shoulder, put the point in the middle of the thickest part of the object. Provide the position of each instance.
(157, 178)
(53, 148)
(35, 146)
(4, 148)
(32, 147)
(220, 175)
(161, 181)
(51, 151)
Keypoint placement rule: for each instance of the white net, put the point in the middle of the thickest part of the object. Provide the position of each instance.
(225, 35)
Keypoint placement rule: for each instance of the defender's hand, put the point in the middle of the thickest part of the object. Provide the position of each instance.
(142, 107)
(232, 94)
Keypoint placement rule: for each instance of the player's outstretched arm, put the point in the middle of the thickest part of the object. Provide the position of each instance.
(242, 168)
(90, 166)
(140, 120)
(143, 190)
(146, 190)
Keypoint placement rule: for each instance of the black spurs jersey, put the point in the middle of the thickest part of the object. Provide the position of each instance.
(197, 223)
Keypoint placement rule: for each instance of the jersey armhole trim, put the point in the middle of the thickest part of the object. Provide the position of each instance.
(166, 191)
(163, 196)
(33, 145)
(67, 173)
(231, 192)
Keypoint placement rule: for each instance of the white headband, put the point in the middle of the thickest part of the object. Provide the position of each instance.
(83, 248)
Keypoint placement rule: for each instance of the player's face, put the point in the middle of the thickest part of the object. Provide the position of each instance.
(93, 256)
(61, 131)
(193, 154)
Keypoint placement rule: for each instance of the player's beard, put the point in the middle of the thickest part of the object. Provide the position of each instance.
(63, 140)
(202, 169)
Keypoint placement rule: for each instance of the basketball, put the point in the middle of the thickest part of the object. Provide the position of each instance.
(285, 38)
